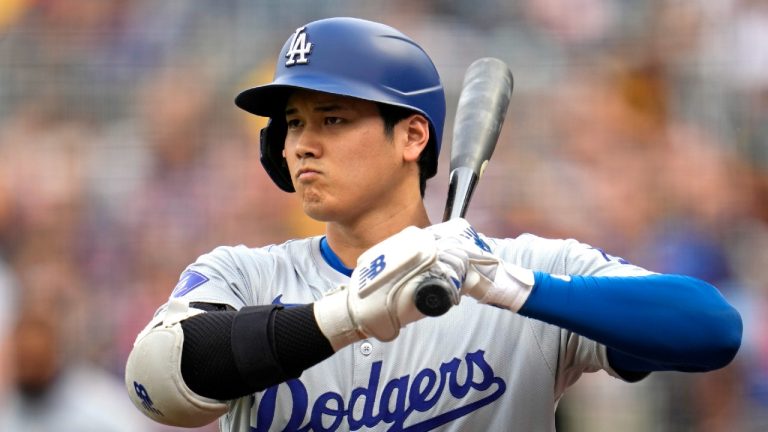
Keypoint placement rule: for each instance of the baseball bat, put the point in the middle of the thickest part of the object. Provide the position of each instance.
(480, 113)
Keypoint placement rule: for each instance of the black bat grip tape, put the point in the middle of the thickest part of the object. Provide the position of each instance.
(433, 297)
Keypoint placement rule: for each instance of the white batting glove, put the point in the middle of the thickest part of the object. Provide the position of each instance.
(379, 299)
(489, 279)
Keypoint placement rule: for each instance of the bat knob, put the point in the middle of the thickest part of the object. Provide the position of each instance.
(434, 296)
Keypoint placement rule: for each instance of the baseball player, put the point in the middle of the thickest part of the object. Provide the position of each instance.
(321, 333)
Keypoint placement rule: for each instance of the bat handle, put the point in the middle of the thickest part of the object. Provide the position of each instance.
(434, 296)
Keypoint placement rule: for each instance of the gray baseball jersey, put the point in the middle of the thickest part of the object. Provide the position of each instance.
(475, 368)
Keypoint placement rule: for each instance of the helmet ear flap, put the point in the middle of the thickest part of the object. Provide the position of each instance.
(272, 145)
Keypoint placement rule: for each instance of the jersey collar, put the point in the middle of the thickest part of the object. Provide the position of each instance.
(332, 259)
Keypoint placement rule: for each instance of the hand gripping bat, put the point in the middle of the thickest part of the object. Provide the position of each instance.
(480, 114)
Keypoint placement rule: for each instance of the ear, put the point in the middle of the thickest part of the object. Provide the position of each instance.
(417, 136)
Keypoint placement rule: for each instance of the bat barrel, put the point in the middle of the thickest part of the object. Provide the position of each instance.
(480, 113)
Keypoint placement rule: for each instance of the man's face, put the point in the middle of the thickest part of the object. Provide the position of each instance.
(341, 162)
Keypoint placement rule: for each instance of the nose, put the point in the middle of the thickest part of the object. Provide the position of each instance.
(308, 144)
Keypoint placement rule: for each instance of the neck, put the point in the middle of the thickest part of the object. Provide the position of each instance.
(349, 241)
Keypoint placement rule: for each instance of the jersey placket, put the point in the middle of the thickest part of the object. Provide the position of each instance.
(368, 355)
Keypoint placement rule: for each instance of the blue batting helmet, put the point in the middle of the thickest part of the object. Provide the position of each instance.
(349, 57)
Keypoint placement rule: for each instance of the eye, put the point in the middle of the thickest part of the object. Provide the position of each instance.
(293, 123)
(333, 120)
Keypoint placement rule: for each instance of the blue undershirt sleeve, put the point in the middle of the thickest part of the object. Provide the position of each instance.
(649, 323)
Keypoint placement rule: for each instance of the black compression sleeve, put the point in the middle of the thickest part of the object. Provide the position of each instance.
(298, 340)
(207, 365)
(227, 355)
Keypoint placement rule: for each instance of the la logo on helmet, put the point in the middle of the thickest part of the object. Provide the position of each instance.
(299, 47)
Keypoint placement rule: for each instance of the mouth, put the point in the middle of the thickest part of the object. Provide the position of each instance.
(306, 173)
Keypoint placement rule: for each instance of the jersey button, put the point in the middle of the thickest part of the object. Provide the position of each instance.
(366, 348)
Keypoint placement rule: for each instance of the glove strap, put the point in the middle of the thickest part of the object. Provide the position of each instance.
(334, 320)
(510, 287)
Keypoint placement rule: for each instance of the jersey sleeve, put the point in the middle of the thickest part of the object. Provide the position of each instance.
(577, 354)
(227, 275)
(217, 277)
(630, 310)
(239, 276)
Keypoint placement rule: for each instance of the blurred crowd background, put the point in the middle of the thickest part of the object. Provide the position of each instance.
(637, 127)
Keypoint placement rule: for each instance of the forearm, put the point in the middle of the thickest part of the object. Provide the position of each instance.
(230, 354)
(655, 322)
(189, 360)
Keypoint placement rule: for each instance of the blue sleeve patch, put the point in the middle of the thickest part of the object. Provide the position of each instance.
(607, 257)
(189, 280)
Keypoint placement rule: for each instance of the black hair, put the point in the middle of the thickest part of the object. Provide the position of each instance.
(392, 114)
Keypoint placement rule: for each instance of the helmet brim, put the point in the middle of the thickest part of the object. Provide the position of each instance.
(269, 100)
